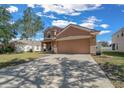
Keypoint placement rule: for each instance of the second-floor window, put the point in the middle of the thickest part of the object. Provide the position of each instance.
(48, 36)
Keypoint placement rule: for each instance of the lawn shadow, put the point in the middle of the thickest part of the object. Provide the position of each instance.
(113, 72)
(15, 62)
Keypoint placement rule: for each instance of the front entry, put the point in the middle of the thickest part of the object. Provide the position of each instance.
(47, 47)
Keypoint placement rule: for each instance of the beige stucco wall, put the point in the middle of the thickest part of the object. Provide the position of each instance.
(74, 40)
(93, 40)
(52, 31)
(118, 40)
(72, 31)
(83, 45)
(93, 44)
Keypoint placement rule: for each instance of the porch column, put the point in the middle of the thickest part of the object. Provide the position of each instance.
(93, 45)
(55, 47)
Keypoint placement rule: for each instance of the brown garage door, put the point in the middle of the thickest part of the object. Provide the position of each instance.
(74, 46)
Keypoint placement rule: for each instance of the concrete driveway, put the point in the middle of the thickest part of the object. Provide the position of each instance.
(56, 70)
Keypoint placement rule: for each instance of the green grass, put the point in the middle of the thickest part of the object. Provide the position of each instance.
(116, 54)
(111, 57)
(14, 58)
(112, 62)
(116, 58)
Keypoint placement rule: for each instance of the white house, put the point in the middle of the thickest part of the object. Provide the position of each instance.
(118, 41)
(27, 45)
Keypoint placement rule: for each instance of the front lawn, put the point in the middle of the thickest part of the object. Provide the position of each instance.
(113, 65)
(17, 58)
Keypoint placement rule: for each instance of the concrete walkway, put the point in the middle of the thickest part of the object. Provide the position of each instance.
(56, 70)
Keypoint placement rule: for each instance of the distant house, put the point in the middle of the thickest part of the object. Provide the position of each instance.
(118, 41)
(103, 43)
(104, 46)
(27, 45)
(71, 39)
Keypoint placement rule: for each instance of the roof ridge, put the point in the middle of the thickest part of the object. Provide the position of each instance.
(84, 27)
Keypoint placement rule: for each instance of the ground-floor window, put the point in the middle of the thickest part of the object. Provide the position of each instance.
(116, 46)
(113, 46)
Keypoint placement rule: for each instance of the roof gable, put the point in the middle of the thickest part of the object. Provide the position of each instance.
(74, 30)
(54, 28)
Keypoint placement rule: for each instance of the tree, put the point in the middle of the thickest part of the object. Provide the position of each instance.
(7, 30)
(104, 43)
(30, 24)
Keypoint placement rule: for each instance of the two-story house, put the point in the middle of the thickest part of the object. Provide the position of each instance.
(71, 39)
(118, 41)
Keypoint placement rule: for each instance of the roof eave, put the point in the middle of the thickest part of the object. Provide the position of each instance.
(95, 32)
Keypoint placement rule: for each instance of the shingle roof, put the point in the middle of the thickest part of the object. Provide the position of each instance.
(53, 27)
(84, 27)
(60, 29)
(120, 30)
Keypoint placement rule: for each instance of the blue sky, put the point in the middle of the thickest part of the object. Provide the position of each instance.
(106, 18)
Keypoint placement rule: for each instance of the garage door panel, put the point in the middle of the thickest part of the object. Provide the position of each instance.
(74, 46)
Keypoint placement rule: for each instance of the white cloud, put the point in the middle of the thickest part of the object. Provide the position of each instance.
(11, 22)
(15, 39)
(88, 25)
(49, 16)
(39, 14)
(69, 9)
(62, 23)
(122, 11)
(104, 25)
(31, 5)
(75, 14)
(90, 22)
(110, 42)
(104, 32)
(12, 9)
(91, 19)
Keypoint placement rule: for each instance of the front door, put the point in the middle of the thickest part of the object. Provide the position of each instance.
(113, 46)
(49, 47)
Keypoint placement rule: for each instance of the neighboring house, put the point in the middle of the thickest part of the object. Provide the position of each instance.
(71, 39)
(118, 41)
(27, 45)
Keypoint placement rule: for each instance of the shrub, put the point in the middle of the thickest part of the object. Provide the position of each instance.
(30, 50)
(1, 50)
(8, 49)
